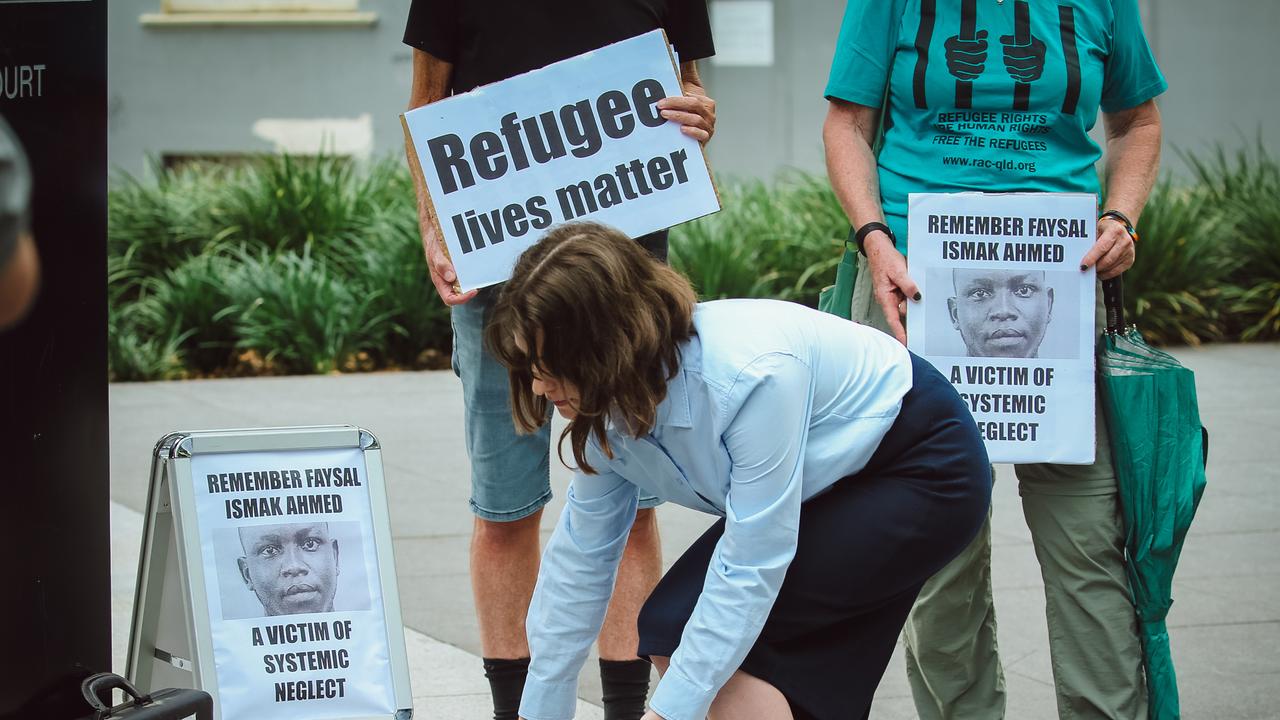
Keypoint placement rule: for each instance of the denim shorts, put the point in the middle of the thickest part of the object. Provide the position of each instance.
(510, 472)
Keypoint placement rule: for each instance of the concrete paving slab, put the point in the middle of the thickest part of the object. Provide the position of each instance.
(1226, 623)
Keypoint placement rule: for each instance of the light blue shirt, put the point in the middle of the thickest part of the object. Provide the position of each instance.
(773, 403)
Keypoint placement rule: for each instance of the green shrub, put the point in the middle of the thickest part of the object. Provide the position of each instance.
(299, 316)
(134, 354)
(393, 272)
(193, 302)
(1174, 292)
(1245, 188)
(285, 204)
(158, 224)
(301, 265)
(779, 240)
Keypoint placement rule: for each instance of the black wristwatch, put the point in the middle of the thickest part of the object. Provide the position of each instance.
(861, 236)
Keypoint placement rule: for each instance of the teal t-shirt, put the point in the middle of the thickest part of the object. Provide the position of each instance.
(990, 95)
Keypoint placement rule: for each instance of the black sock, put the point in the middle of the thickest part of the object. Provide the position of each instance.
(625, 684)
(506, 683)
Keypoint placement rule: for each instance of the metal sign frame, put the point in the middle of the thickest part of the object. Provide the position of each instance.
(170, 643)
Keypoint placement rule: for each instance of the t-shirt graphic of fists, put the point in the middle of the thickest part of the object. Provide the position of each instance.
(967, 58)
(1023, 55)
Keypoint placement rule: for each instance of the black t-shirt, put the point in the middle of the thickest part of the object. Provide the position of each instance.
(492, 40)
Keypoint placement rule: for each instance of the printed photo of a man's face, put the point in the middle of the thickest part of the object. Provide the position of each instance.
(1001, 313)
(291, 568)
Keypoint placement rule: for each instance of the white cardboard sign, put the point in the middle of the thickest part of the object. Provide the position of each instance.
(581, 139)
(294, 596)
(1008, 316)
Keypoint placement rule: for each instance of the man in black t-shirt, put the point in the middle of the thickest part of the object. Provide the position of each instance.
(459, 45)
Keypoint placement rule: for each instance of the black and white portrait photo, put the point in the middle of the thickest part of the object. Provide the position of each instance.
(291, 568)
(1003, 313)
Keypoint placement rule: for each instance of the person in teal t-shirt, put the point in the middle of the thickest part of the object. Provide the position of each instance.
(1000, 96)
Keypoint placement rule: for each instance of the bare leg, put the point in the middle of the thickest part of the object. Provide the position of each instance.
(661, 664)
(744, 697)
(504, 569)
(639, 572)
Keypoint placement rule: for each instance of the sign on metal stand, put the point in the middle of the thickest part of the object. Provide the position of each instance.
(267, 578)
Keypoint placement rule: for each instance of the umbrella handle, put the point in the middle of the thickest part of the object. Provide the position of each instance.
(1113, 299)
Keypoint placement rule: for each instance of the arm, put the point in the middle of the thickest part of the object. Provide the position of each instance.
(431, 79)
(574, 585)
(695, 112)
(848, 134)
(766, 444)
(1132, 160)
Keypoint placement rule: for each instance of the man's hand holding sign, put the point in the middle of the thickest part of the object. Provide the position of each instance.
(601, 148)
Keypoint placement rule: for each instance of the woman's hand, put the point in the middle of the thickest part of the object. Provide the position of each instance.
(890, 283)
(1113, 252)
(651, 715)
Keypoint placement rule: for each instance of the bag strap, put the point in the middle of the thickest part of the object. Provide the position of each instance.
(1113, 300)
(94, 685)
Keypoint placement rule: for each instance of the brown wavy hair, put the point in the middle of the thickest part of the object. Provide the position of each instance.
(589, 305)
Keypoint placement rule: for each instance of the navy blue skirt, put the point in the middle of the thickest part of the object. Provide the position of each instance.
(865, 548)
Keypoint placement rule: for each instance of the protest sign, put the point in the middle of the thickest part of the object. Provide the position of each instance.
(1008, 316)
(283, 547)
(581, 139)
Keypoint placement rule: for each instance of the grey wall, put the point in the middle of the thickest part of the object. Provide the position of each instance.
(1223, 65)
(771, 117)
(200, 90)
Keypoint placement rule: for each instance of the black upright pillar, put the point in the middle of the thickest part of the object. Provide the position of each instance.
(55, 621)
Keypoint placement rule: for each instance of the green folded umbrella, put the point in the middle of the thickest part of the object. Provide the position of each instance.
(837, 299)
(1159, 449)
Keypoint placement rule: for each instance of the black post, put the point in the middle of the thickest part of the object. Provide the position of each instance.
(53, 371)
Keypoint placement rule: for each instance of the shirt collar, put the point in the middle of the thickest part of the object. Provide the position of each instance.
(674, 410)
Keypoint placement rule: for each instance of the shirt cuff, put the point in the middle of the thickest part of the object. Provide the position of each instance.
(862, 96)
(1135, 99)
(679, 698)
(548, 700)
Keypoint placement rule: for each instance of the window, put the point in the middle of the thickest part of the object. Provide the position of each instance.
(238, 6)
(259, 12)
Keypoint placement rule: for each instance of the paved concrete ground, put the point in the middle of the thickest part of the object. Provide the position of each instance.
(1225, 624)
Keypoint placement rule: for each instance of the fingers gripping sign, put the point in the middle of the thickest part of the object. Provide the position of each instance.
(693, 110)
(1114, 251)
(695, 113)
(891, 286)
(441, 270)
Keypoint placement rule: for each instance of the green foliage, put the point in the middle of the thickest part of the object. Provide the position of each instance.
(300, 315)
(133, 354)
(301, 265)
(1175, 290)
(1245, 188)
(418, 333)
(194, 302)
(283, 264)
(780, 240)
